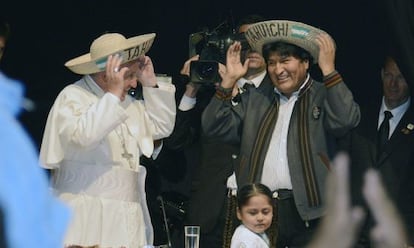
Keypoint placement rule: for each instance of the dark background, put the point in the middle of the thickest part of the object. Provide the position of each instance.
(45, 34)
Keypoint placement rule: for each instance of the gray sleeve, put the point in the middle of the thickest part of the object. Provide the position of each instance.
(342, 111)
(222, 120)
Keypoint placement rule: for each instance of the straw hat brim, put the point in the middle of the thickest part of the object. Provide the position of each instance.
(297, 33)
(95, 61)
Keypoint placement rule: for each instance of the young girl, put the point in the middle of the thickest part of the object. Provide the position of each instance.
(255, 211)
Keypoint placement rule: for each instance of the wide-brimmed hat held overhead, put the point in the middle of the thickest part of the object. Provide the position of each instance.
(107, 44)
(297, 33)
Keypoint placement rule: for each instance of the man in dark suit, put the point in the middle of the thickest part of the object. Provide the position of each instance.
(207, 204)
(394, 157)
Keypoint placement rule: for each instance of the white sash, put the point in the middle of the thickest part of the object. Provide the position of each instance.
(106, 181)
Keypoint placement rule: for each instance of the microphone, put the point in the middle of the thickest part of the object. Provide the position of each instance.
(164, 215)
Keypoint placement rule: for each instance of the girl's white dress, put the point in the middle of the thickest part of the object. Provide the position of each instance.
(245, 238)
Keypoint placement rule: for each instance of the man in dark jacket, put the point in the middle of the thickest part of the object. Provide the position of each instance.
(394, 157)
(283, 129)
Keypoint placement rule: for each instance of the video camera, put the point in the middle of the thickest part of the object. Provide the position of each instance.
(212, 47)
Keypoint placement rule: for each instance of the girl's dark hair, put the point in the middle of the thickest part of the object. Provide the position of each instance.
(231, 221)
(284, 49)
(249, 190)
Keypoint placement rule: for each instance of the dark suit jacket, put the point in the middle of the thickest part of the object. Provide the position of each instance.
(209, 163)
(207, 200)
(217, 160)
(395, 163)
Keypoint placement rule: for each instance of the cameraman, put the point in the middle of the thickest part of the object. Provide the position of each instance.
(213, 167)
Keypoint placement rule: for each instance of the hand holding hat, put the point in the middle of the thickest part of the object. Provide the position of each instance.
(326, 60)
(146, 75)
(115, 76)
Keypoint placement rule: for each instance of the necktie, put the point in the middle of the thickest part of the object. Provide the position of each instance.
(247, 85)
(384, 130)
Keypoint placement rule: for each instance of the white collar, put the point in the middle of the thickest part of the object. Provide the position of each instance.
(93, 87)
(398, 111)
(256, 80)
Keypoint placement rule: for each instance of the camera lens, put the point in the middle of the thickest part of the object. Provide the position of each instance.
(206, 71)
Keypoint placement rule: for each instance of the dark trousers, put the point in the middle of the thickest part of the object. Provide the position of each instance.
(214, 237)
(293, 232)
(211, 239)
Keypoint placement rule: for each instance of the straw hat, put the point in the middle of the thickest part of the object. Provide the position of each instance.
(107, 44)
(296, 33)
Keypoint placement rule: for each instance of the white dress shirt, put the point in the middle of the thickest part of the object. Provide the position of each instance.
(397, 114)
(276, 173)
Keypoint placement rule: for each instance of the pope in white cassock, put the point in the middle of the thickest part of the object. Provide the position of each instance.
(95, 134)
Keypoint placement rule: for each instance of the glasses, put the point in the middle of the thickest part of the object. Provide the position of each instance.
(388, 76)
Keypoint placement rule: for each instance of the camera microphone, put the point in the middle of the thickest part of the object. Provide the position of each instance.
(164, 215)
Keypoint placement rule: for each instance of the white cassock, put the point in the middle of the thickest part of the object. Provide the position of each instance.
(93, 142)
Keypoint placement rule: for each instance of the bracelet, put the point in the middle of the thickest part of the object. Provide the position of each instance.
(224, 93)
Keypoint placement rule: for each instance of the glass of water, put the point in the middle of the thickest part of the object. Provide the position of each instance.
(192, 236)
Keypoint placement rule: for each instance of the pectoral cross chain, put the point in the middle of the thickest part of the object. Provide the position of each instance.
(127, 156)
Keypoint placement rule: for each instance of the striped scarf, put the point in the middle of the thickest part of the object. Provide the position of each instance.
(265, 133)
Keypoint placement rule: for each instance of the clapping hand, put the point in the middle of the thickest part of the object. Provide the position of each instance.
(234, 68)
(341, 224)
(388, 231)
